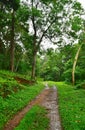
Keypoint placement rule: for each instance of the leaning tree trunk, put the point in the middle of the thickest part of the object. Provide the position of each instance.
(12, 44)
(74, 64)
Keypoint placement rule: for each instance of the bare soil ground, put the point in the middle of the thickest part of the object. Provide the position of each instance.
(23, 81)
(48, 99)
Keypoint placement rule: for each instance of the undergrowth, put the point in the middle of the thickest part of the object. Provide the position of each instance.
(8, 84)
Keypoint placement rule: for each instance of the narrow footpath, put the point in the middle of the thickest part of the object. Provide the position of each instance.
(51, 103)
(48, 99)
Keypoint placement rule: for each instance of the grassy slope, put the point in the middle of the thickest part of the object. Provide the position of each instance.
(14, 102)
(71, 106)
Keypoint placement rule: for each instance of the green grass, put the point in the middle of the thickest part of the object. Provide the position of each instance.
(9, 74)
(35, 119)
(71, 103)
(72, 107)
(16, 101)
(8, 84)
(14, 96)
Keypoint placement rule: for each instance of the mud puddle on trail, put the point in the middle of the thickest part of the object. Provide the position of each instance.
(48, 99)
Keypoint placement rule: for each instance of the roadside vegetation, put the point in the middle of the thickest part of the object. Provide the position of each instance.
(35, 119)
(13, 101)
(71, 106)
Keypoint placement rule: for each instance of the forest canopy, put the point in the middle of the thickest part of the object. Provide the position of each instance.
(25, 25)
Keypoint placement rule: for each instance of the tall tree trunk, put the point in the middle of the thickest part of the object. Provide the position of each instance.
(12, 44)
(34, 46)
(16, 67)
(74, 64)
(34, 60)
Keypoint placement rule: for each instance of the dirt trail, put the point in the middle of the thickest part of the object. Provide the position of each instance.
(51, 103)
(47, 98)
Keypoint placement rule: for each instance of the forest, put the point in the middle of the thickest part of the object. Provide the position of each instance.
(42, 42)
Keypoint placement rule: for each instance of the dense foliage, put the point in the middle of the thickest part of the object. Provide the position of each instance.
(25, 25)
(57, 65)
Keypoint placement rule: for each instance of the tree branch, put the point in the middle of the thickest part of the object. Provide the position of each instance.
(45, 32)
(33, 21)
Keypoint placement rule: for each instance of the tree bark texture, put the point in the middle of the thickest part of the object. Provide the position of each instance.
(33, 66)
(74, 64)
(12, 44)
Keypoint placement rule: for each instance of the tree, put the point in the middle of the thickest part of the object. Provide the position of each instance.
(50, 20)
(50, 65)
(37, 21)
(82, 42)
(13, 30)
(12, 6)
(4, 36)
(74, 64)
